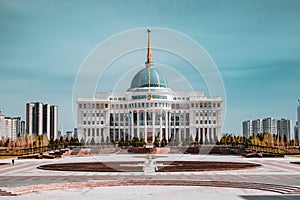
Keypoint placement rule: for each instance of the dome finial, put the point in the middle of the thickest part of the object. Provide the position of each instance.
(149, 56)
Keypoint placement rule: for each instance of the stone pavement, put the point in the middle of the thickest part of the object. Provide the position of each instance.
(277, 176)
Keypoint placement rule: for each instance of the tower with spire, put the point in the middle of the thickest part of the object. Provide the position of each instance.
(152, 111)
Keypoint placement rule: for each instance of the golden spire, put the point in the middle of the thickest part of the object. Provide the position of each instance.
(149, 56)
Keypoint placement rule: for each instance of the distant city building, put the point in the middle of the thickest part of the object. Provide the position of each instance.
(269, 125)
(10, 127)
(53, 122)
(298, 120)
(75, 133)
(247, 128)
(257, 126)
(150, 109)
(296, 133)
(2, 124)
(41, 119)
(23, 128)
(69, 134)
(284, 129)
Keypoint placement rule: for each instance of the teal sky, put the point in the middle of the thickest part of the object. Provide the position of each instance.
(255, 44)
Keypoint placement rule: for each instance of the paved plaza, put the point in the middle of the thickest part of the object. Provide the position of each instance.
(277, 178)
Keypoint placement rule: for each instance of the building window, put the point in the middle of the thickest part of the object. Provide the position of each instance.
(80, 105)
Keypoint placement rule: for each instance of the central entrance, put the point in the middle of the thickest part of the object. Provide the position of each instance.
(149, 139)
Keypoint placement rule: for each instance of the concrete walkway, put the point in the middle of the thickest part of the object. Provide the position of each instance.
(277, 176)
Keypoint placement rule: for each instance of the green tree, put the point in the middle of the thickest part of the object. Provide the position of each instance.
(156, 142)
(142, 142)
(135, 141)
(92, 142)
(163, 142)
(121, 142)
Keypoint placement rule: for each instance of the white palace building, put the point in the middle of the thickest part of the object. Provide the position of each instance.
(149, 109)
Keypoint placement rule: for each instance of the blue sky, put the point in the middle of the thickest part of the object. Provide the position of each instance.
(255, 45)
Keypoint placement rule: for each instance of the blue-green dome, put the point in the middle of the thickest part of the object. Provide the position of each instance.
(149, 77)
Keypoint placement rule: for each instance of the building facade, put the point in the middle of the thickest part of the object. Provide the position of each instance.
(270, 125)
(53, 122)
(41, 119)
(284, 129)
(247, 128)
(298, 124)
(149, 109)
(257, 126)
(10, 127)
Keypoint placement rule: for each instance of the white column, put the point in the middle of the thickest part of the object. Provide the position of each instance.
(145, 122)
(138, 122)
(153, 126)
(131, 125)
(167, 125)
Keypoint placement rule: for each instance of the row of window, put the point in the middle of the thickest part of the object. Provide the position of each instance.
(93, 105)
(118, 106)
(93, 131)
(205, 105)
(117, 98)
(146, 105)
(181, 98)
(93, 114)
(205, 114)
(93, 122)
(206, 122)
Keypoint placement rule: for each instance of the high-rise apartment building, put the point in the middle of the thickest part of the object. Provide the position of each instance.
(257, 126)
(41, 119)
(280, 127)
(284, 129)
(270, 125)
(298, 120)
(53, 121)
(247, 128)
(10, 127)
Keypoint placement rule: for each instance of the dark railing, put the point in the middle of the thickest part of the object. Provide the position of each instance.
(33, 150)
